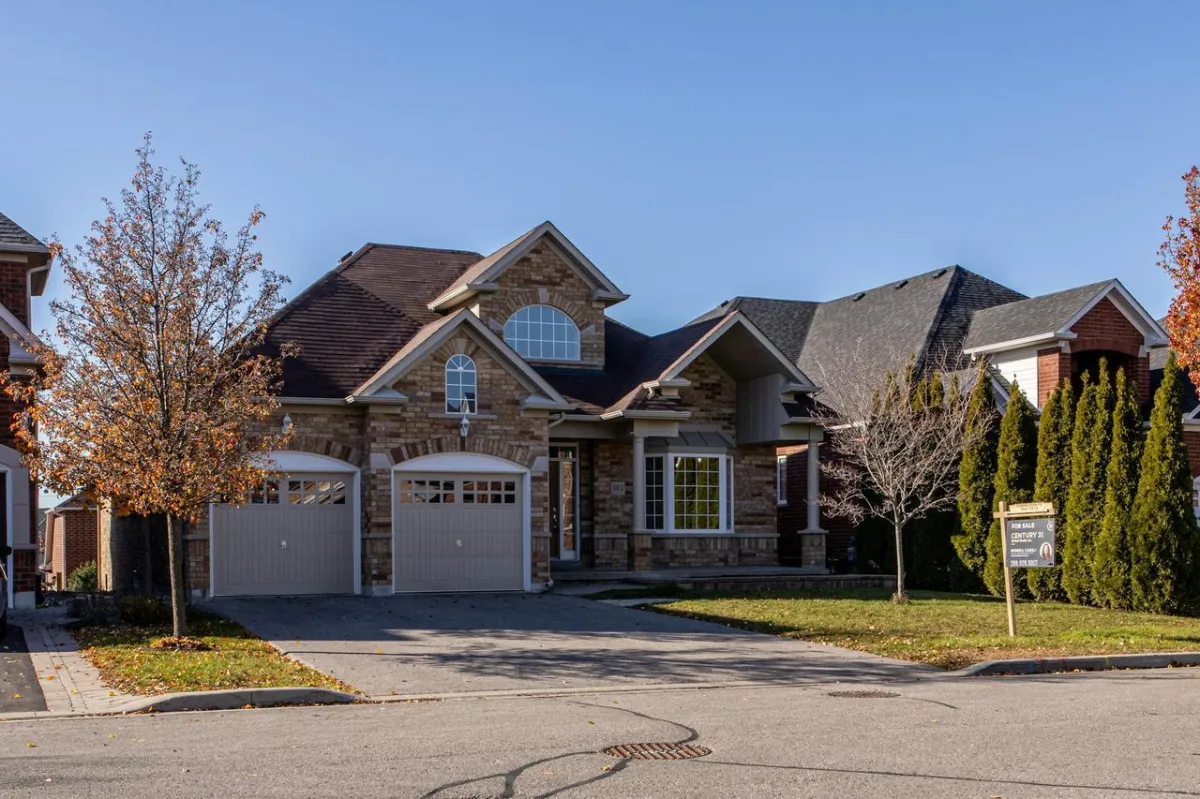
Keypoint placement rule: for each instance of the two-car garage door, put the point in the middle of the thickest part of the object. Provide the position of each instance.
(457, 526)
(293, 535)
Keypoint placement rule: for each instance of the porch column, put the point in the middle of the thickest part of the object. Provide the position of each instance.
(814, 486)
(639, 483)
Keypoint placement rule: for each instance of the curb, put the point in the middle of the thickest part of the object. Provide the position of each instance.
(233, 699)
(997, 668)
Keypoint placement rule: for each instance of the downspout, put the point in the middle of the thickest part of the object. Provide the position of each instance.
(29, 291)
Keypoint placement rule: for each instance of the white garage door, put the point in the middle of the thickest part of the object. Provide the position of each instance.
(457, 532)
(295, 535)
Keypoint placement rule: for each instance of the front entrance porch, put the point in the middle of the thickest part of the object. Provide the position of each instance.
(643, 502)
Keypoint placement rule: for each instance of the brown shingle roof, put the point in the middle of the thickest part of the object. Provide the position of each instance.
(354, 318)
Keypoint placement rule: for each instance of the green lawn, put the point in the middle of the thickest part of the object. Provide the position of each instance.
(236, 659)
(945, 630)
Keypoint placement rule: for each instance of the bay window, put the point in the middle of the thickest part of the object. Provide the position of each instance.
(689, 493)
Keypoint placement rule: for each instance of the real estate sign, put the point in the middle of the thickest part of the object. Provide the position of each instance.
(1030, 542)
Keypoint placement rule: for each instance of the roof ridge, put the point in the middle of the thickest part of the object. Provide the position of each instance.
(422, 248)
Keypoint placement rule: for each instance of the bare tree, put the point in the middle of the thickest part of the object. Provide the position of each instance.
(896, 438)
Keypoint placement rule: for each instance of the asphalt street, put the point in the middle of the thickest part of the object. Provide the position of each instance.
(1116, 734)
(19, 690)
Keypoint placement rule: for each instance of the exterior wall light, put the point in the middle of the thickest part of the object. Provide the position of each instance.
(464, 426)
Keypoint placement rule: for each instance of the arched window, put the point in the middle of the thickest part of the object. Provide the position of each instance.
(460, 385)
(543, 333)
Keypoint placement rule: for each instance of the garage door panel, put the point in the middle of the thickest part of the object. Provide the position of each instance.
(283, 548)
(445, 544)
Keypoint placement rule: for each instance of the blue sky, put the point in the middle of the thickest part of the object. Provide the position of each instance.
(694, 150)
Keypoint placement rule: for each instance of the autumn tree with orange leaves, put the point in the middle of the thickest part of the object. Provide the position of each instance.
(155, 384)
(1179, 255)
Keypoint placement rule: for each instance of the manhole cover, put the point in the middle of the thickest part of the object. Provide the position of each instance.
(863, 694)
(657, 751)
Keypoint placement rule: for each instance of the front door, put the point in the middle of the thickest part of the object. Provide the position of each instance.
(564, 502)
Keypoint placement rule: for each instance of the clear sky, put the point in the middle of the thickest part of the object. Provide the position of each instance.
(693, 150)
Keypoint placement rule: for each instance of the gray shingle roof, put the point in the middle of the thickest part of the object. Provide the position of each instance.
(1043, 314)
(785, 322)
(15, 237)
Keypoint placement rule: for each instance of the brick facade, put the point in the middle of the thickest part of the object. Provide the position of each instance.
(74, 543)
(381, 436)
(542, 277)
(611, 543)
(14, 295)
(1105, 329)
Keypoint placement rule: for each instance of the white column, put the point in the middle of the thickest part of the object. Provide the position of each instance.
(814, 486)
(639, 483)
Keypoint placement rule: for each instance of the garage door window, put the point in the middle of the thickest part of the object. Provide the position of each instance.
(437, 492)
(265, 493)
(489, 492)
(316, 492)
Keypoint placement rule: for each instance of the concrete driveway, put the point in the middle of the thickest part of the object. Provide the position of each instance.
(436, 644)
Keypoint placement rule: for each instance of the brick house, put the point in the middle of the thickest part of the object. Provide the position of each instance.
(471, 422)
(954, 316)
(72, 530)
(24, 267)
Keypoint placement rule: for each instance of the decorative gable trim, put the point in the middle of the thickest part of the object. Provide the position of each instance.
(1129, 307)
(482, 277)
(378, 388)
(799, 380)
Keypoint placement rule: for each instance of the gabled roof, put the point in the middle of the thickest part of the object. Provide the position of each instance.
(634, 360)
(1051, 316)
(357, 316)
(14, 238)
(924, 315)
(1044, 314)
(432, 336)
(482, 275)
(785, 322)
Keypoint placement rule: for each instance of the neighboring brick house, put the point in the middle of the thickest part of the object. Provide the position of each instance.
(463, 422)
(72, 529)
(24, 267)
(949, 317)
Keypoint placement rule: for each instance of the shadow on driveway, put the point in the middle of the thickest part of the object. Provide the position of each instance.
(420, 644)
(19, 689)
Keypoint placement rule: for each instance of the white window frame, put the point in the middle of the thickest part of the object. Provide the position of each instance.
(563, 320)
(781, 467)
(466, 365)
(725, 509)
(1196, 496)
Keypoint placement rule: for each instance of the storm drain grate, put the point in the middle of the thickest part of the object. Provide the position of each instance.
(657, 751)
(863, 694)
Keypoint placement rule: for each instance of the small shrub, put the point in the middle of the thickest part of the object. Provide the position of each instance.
(83, 579)
(142, 610)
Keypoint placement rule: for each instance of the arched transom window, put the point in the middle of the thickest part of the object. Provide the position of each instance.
(543, 333)
(460, 384)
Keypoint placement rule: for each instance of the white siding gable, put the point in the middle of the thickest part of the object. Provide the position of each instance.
(1019, 366)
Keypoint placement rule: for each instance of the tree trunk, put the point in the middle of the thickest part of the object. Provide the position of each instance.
(901, 595)
(175, 554)
(148, 560)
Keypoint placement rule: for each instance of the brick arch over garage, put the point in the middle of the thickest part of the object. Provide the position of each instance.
(480, 445)
(323, 445)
